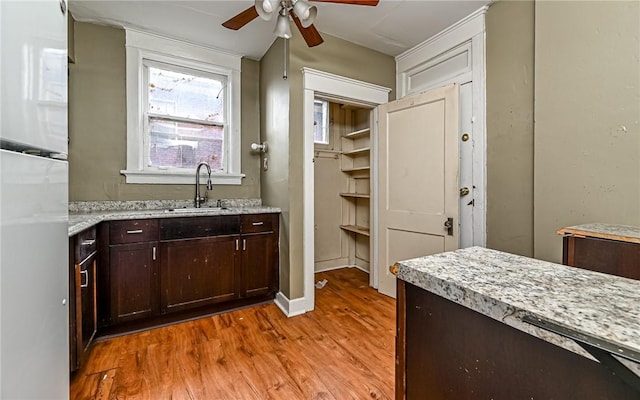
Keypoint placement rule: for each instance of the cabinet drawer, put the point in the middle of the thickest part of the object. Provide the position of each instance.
(253, 223)
(193, 227)
(85, 244)
(140, 230)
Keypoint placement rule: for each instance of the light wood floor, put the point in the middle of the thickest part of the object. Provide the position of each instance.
(344, 349)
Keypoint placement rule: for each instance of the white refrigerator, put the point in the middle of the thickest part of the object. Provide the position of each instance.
(34, 263)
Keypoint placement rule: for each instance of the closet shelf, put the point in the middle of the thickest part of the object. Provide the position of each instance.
(357, 134)
(353, 170)
(357, 152)
(356, 195)
(360, 230)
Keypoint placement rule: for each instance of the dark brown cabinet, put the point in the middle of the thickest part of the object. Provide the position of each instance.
(133, 275)
(259, 255)
(447, 351)
(164, 270)
(133, 270)
(199, 264)
(198, 272)
(82, 295)
(611, 249)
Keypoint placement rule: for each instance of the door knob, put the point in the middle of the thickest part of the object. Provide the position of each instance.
(464, 191)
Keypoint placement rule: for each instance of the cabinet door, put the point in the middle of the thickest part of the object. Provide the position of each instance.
(198, 272)
(87, 272)
(259, 264)
(134, 289)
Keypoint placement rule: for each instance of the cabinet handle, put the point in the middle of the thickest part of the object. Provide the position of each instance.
(84, 274)
(154, 252)
(134, 231)
(237, 244)
(257, 223)
(244, 244)
(88, 242)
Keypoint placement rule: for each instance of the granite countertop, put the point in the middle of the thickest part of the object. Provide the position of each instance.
(625, 233)
(83, 215)
(508, 287)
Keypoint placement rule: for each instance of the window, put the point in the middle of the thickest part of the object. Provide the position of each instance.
(185, 118)
(320, 122)
(183, 107)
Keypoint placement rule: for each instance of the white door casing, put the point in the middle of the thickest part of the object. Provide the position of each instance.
(457, 55)
(417, 179)
(330, 86)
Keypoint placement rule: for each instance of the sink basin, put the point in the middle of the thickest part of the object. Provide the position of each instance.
(193, 210)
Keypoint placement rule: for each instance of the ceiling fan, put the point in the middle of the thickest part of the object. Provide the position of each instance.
(301, 12)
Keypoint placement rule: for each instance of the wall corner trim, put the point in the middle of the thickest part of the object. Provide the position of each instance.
(291, 308)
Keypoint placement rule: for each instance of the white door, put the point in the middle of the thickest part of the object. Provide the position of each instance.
(417, 179)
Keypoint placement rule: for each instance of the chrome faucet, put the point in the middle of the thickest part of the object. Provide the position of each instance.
(199, 199)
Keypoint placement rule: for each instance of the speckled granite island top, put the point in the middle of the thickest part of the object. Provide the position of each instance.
(83, 215)
(625, 233)
(507, 287)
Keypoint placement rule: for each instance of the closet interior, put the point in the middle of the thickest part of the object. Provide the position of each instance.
(342, 166)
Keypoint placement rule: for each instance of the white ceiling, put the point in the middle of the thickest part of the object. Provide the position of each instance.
(391, 27)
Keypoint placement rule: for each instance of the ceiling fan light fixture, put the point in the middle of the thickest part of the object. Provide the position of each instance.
(283, 28)
(266, 8)
(306, 12)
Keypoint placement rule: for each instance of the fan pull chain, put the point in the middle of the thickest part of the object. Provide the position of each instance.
(286, 59)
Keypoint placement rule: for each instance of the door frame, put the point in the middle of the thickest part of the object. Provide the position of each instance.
(339, 88)
(465, 38)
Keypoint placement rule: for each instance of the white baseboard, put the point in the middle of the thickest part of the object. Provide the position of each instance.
(327, 265)
(361, 268)
(331, 268)
(290, 308)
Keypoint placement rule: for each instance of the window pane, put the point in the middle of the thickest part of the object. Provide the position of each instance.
(184, 145)
(188, 96)
(320, 119)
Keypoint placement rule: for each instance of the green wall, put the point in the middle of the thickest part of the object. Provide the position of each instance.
(574, 66)
(274, 117)
(335, 56)
(587, 113)
(509, 69)
(97, 124)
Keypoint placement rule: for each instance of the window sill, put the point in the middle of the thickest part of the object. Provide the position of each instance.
(179, 178)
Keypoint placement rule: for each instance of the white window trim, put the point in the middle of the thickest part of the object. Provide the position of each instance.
(142, 45)
(325, 116)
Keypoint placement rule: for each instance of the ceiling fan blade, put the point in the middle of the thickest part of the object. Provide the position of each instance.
(354, 2)
(241, 19)
(310, 34)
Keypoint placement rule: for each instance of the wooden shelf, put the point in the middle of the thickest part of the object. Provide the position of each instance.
(357, 152)
(360, 230)
(356, 195)
(358, 169)
(357, 134)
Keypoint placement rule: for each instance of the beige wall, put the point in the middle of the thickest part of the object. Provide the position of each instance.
(97, 124)
(586, 138)
(587, 113)
(509, 63)
(330, 242)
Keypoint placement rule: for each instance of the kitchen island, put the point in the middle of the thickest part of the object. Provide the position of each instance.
(481, 324)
